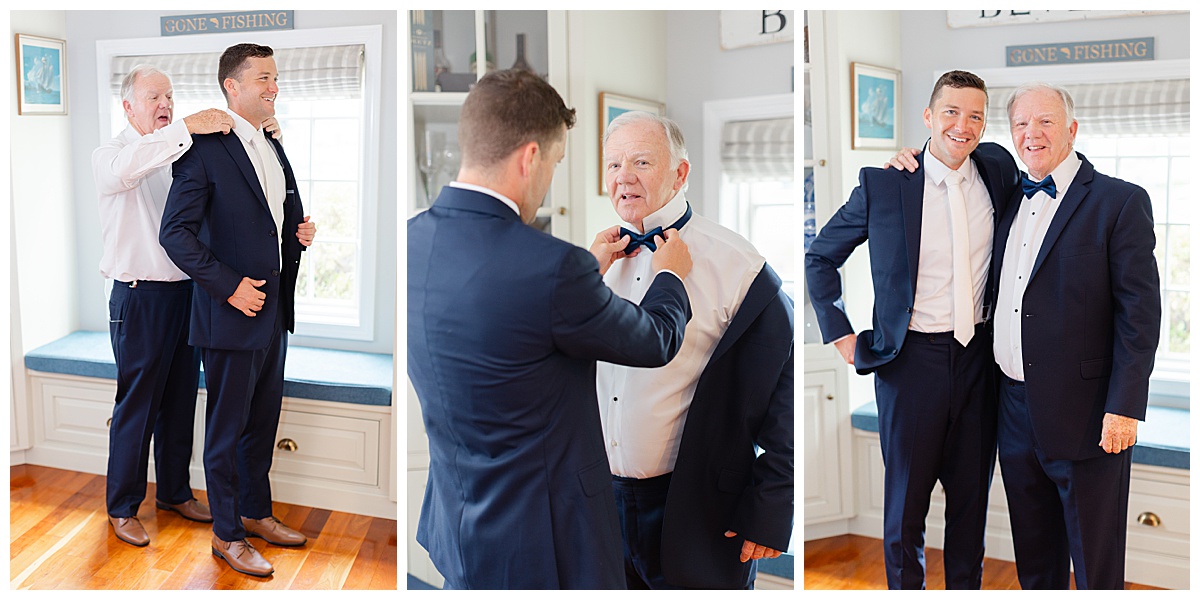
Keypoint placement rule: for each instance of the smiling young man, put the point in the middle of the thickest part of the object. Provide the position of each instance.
(235, 224)
(930, 241)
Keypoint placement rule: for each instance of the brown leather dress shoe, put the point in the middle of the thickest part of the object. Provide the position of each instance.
(129, 530)
(273, 531)
(192, 510)
(242, 557)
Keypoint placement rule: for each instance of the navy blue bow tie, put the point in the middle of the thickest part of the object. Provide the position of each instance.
(647, 239)
(1030, 187)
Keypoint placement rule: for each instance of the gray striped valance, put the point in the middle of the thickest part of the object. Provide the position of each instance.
(1137, 107)
(316, 73)
(760, 150)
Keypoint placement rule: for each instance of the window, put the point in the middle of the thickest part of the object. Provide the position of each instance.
(750, 150)
(328, 111)
(1138, 131)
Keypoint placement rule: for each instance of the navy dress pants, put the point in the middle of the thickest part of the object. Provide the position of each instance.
(1062, 511)
(937, 421)
(157, 376)
(245, 393)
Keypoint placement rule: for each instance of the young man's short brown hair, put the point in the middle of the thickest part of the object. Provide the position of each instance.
(506, 110)
(956, 79)
(233, 61)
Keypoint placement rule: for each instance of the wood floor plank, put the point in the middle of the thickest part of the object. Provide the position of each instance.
(851, 562)
(59, 533)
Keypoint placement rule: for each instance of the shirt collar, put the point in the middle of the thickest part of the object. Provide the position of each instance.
(936, 170)
(1065, 173)
(243, 128)
(665, 216)
(493, 193)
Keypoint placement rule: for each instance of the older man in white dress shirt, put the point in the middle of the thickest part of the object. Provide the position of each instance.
(697, 504)
(157, 372)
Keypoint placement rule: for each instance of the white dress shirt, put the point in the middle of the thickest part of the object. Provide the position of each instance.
(933, 302)
(267, 166)
(482, 190)
(133, 175)
(1020, 253)
(643, 410)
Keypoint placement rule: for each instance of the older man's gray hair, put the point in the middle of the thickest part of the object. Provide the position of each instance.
(1068, 102)
(670, 129)
(136, 73)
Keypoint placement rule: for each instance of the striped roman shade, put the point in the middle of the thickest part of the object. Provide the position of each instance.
(1137, 107)
(759, 150)
(317, 73)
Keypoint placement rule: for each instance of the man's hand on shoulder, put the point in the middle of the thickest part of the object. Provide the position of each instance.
(609, 247)
(271, 126)
(209, 120)
(672, 254)
(905, 160)
(247, 298)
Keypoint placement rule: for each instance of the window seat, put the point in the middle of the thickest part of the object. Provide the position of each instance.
(312, 373)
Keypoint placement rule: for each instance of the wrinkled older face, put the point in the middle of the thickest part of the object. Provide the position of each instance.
(638, 172)
(252, 93)
(956, 122)
(1040, 131)
(153, 104)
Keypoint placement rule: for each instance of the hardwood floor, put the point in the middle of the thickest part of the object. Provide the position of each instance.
(851, 562)
(61, 539)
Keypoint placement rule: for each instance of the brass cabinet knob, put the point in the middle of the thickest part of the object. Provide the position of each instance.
(287, 445)
(1149, 519)
(562, 210)
(821, 162)
(829, 396)
(108, 423)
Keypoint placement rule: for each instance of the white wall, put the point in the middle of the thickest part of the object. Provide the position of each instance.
(43, 209)
(928, 45)
(82, 30)
(698, 70)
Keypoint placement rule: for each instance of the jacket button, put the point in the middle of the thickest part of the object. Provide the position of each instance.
(275, 273)
(909, 309)
(271, 233)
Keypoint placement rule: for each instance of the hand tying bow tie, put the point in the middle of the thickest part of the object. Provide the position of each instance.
(647, 239)
(1046, 185)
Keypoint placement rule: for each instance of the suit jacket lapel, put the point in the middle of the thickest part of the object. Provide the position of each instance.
(762, 291)
(1078, 190)
(912, 198)
(233, 145)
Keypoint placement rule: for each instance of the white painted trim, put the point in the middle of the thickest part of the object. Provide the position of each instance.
(371, 36)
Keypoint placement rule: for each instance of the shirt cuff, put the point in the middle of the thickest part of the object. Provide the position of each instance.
(177, 135)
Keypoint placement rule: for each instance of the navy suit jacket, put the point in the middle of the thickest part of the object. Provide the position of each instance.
(1090, 313)
(745, 399)
(505, 325)
(885, 211)
(217, 228)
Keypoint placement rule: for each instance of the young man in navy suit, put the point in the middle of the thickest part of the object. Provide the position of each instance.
(235, 224)
(930, 240)
(505, 325)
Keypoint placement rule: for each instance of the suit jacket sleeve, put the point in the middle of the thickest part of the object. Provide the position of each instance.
(844, 232)
(180, 230)
(765, 512)
(1137, 307)
(590, 321)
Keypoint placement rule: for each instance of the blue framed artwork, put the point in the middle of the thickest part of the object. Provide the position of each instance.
(875, 109)
(611, 106)
(41, 75)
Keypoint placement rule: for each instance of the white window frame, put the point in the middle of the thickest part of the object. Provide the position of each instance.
(718, 112)
(1170, 377)
(371, 37)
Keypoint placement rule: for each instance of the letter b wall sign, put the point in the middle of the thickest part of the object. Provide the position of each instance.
(740, 28)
